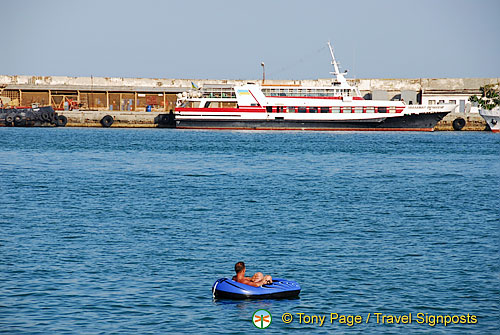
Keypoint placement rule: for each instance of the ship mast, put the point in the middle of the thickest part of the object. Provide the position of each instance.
(336, 72)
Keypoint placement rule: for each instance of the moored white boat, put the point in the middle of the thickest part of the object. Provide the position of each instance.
(492, 118)
(336, 107)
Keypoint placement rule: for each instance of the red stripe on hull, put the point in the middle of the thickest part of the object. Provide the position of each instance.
(223, 110)
(305, 97)
(311, 129)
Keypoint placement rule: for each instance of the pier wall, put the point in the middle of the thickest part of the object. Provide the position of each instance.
(121, 119)
(474, 122)
(178, 85)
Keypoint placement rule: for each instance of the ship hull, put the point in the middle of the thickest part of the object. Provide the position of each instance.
(492, 118)
(412, 122)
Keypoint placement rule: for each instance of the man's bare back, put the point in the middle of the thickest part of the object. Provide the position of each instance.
(256, 280)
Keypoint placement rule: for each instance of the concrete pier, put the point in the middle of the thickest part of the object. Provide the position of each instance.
(86, 100)
(474, 122)
(121, 119)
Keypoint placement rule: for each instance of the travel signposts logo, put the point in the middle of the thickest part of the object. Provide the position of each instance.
(261, 318)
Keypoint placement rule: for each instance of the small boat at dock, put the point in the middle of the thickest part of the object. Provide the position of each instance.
(492, 118)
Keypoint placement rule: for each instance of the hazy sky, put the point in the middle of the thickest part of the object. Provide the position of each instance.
(229, 39)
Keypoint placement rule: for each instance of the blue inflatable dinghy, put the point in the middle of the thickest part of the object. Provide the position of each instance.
(225, 288)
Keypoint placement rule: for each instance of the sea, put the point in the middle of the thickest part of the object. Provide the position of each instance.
(124, 231)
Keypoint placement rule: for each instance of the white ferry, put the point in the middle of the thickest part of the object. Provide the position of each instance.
(492, 118)
(336, 107)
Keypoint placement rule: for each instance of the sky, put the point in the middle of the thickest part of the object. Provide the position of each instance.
(229, 39)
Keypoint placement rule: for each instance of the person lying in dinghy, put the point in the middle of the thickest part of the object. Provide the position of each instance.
(256, 280)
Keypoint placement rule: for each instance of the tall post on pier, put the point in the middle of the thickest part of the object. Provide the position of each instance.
(263, 72)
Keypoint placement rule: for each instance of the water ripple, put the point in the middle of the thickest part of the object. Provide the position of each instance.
(125, 230)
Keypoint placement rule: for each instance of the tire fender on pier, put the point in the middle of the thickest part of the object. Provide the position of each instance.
(61, 121)
(458, 123)
(107, 121)
(9, 118)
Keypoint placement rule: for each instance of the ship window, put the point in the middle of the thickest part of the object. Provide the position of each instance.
(228, 104)
(382, 109)
(358, 109)
(335, 109)
(269, 109)
(302, 109)
(346, 110)
(432, 102)
(453, 101)
(313, 109)
(441, 102)
(392, 109)
(370, 109)
(291, 109)
(325, 110)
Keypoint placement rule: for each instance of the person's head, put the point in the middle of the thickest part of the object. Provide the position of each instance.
(238, 267)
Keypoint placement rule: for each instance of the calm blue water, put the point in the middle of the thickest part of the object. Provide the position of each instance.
(124, 231)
